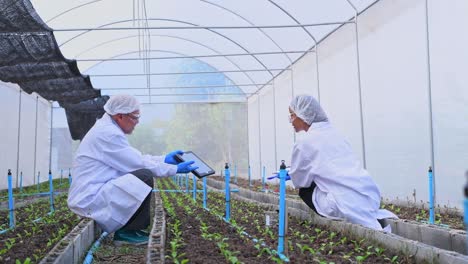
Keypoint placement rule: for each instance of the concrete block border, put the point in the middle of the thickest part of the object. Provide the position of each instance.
(157, 239)
(73, 247)
(430, 244)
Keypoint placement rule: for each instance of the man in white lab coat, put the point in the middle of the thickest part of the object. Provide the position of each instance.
(330, 178)
(112, 181)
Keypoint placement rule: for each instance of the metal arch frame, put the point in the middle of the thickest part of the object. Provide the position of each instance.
(250, 23)
(361, 114)
(73, 8)
(167, 52)
(169, 36)
(315, 47)
(175, 21)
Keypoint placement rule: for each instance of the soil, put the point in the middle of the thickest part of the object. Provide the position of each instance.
(306, 243)
(35, 239)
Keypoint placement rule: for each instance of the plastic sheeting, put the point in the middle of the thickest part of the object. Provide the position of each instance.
(24, 147)
(403, 126)
(30, 57)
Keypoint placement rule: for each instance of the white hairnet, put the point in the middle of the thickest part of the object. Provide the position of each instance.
(121, 104)
(308, 109)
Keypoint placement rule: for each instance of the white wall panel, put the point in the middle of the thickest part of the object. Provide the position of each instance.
(267, 126)
(449, 64)
(10, 105)
(284, 129)
(395, 96)
(254, 136)
(339, 88)
(9, 97)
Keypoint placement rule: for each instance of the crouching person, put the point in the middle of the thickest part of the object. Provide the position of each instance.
(112, 181)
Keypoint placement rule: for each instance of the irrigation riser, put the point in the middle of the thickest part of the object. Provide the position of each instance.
(425, 242)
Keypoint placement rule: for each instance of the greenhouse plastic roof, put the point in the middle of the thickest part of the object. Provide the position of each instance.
(160, 51)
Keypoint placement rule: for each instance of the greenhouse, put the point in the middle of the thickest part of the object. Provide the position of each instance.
(324, 131)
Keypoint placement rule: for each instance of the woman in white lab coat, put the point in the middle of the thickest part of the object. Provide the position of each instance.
(330, 178)
(112, 181)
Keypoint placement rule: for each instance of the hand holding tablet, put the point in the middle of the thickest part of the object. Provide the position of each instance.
(203, 168)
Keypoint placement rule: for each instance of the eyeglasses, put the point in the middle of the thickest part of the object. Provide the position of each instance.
(133, 117)
(292, 116)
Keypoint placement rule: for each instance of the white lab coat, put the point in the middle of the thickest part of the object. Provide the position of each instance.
(102, 188)
(344, 189)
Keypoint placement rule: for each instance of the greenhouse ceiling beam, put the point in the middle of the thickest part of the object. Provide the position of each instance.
(181, 54)
(198, 56)
(182, 87)
(201, 27)
(178, 53)
(181, 73)
(190, 94)
(225, 76)
(250, 23)
(175, 21)
(313, 47)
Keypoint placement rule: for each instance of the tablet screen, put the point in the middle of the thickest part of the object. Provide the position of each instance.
(203, 168)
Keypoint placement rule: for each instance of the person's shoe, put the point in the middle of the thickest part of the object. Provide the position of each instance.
(129, 237)
(142, 232)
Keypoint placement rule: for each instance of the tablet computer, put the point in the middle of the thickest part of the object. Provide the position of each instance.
(203, 168)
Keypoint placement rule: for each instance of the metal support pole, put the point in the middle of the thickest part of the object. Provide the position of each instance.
(465, 205)
(358, 66)
(38, 181)
(263, 179)
(51, 128)
(274, 123)
(259, 141)
(250, 177)
(227, 192)
(429, 93)
(21, 182)
(18, 138)
(35, 137)
(235, 174)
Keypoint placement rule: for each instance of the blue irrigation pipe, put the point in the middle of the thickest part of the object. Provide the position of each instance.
(227, 192)
(263, 179)
(51, 189)
(69, 177)
(194, 191)
(282, 208)
(89, 257)
(11, 204)
(431, 196)
(250, 176)
(204, 192)
(186, 183)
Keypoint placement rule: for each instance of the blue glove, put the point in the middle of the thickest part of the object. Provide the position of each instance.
(277, 176)
(185, 167)
(170, 158)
